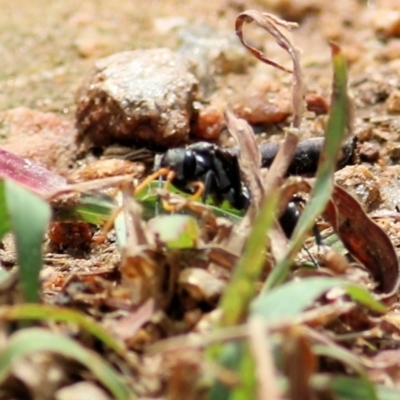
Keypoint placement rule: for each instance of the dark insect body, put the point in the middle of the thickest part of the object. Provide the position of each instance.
(218, 170)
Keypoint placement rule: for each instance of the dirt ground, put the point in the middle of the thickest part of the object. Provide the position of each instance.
(47, 48)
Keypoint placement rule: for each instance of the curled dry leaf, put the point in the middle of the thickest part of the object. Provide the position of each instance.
(365, 240)
(273, 25)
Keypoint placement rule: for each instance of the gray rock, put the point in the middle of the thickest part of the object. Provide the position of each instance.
(137, 97)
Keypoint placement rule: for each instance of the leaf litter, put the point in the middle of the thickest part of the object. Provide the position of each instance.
(195, 305)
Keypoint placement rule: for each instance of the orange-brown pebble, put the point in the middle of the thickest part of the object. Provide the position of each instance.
(317, 103)
(257, 109)
(209, 124)
(393, 102)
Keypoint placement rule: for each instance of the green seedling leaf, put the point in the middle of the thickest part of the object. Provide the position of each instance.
(152, 206)
(30, 341)
(41, 312)
(242, 289)
(230, 358)
(347, 388)
(4, 219)
(292, 298)
(336, 129)
(29, 216)
(237, 297)
(176, 231)
(247, 388)
(364, 297)
(95, 209)
(350, 360)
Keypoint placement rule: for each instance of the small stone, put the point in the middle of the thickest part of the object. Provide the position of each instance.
(209, 123)
(369, 151)
(259, 108)
(359, 181)
(386, 21)
(137, 97)
(393, 102)
(317, 103)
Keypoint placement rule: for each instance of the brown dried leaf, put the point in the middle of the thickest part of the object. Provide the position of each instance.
(128, 326)
(272, 25)
(365, 240)
(249, 156)
(300, 363)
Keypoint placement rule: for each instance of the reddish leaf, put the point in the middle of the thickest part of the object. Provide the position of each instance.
(29, 174)
(365, 240)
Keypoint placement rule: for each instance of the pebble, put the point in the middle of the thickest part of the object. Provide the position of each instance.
(261, 108)
(137, 97)
(392, 103)
(359, 181)
(369, 151)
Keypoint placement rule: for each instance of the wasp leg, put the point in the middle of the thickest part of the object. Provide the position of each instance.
(110, 221)
(167, 206)
(151, 178)
(200, 191)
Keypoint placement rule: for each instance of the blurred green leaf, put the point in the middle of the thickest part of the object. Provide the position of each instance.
(42, 312)
(29, 341)
(291, 298)
(247, 388)
(95, 209)
(4, 218)
(29, 217)
(242, 287)
(350, 360)
(322, 190)
(347, 388)
(364, 297)
(176, 231)
(152, 205)
(230, 358)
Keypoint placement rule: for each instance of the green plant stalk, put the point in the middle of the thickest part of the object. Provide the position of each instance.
(347, 358)
(247, 388)
(33, 340)
(322, 190)
(42, 312)
(241, 289)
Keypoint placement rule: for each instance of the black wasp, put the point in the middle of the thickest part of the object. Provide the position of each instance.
(218, 170)
(207, 163)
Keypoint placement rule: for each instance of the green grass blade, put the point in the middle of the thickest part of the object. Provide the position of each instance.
(348, 388)
(41, 312)
(290, 299)
(29, 216)
(4, 218)
(247, 388)
(94, 209)
(350, 360)
(242, 288)
(321, 193)
(29, 341)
